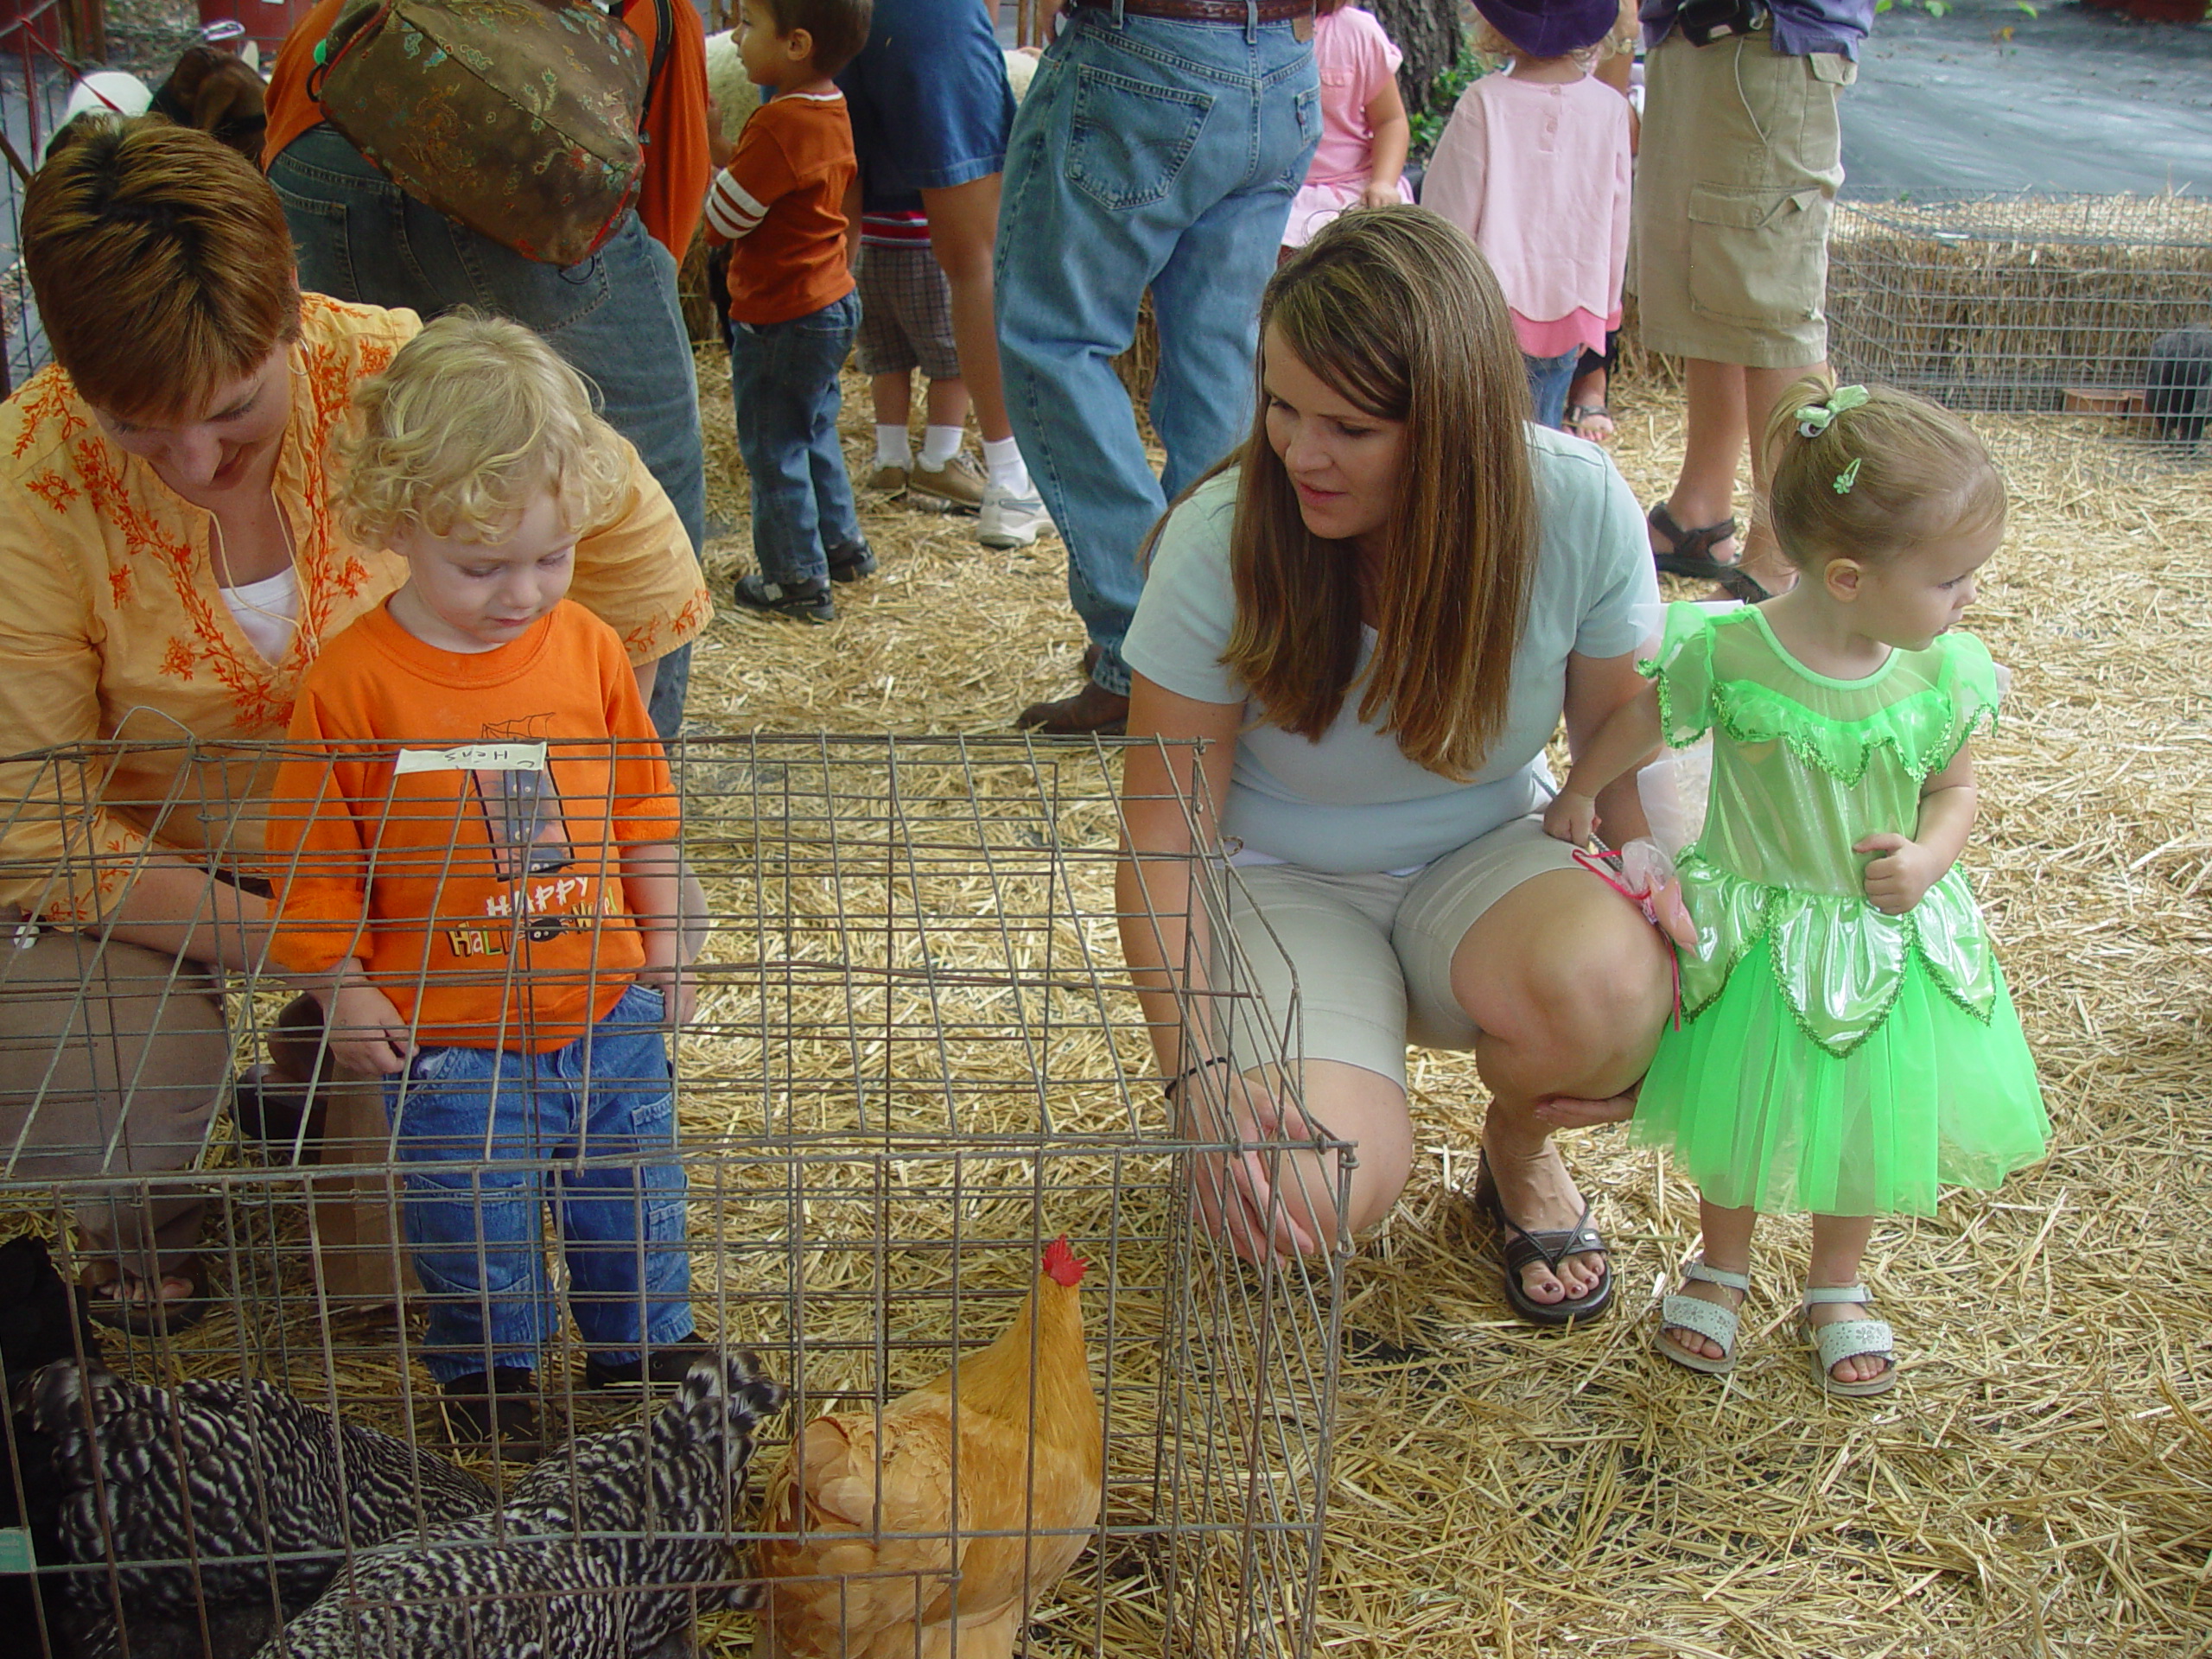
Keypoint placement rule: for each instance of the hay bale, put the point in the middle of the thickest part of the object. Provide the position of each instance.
(2004, 303)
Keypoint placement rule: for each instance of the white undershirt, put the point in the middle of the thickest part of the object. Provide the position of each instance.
(268, 611)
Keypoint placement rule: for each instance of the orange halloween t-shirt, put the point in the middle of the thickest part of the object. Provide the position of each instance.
(456, 822)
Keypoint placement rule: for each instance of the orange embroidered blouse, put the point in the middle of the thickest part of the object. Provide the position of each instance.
(111, 626)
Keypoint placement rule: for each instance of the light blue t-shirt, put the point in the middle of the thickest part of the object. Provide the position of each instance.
(1352, 804)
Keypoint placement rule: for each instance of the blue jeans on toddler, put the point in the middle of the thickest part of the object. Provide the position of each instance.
(1550, 379)
(784, 377)
(489, 1138)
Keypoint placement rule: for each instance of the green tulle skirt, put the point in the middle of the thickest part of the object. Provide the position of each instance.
(1760, 1115)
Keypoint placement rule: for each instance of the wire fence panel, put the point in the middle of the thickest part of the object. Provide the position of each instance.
(918, 1060)
(2028, 302)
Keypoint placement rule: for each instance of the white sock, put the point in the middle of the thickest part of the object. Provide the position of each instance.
(939, 445)
(891, 448)
(1002, 467)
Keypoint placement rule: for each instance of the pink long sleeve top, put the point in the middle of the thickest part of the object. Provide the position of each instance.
(1538, 175)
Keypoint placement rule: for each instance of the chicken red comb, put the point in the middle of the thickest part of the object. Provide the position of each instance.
(1063, 1263)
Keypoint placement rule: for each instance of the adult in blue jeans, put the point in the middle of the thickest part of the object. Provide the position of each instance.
(614, 315)
(930, 107)
(1158, 147)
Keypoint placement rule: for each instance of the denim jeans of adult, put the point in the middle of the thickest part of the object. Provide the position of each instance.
(490, 1138)
(1550, 379)
(614, 316)
(1147, 153)
(784, 377)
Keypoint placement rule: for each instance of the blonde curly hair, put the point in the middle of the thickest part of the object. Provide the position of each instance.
(473, 419)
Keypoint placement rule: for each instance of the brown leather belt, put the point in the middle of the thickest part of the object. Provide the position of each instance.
(1207, 11)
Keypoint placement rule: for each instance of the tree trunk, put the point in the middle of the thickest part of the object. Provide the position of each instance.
(1428, 33)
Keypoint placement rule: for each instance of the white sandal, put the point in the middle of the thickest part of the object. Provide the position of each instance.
(1848, 1339)
(1711, 1320)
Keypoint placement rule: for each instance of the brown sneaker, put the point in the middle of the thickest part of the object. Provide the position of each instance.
(959, 483)
(888, 480)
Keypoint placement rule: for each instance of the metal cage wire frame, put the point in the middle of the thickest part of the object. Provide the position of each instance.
(2017, 302)
(917, 1057)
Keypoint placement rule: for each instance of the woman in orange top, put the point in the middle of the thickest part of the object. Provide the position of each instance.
(170, 567)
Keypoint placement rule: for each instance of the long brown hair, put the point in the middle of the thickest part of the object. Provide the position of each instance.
(1397, 313)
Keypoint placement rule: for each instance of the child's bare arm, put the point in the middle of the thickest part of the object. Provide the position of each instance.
(1901, 872)
(368, 1034)
(653, 884)
(1628, 737)
(1386, 119)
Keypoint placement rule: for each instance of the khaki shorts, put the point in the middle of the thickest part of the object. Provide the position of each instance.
(1352, 968)
(1735, 184)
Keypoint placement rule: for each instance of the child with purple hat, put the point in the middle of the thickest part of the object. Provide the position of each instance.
(1534, 165)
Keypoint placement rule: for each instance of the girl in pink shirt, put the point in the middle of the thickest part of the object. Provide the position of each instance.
(1361, 159)
(1534, 165)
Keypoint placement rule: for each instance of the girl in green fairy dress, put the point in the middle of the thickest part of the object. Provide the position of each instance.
(1846, 1043)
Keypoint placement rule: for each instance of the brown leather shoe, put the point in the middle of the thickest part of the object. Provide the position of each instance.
(1091, 653)
(1093, 710)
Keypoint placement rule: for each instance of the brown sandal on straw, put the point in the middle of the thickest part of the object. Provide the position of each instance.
(1689, 553)
(1584, 421)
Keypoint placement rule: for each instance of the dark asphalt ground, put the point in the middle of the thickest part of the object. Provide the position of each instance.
(2075, 99)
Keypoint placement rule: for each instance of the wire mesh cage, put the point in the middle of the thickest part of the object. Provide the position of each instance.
(2028, 303)
(917, 1060)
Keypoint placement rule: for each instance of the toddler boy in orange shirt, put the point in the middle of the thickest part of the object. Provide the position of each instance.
(475, 845)
(781, 203)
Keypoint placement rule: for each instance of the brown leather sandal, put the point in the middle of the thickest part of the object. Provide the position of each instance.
(1689, 553)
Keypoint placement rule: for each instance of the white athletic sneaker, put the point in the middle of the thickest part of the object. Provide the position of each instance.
(1010, 520)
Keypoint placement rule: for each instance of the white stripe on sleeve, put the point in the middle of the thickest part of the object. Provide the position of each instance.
(731, 208)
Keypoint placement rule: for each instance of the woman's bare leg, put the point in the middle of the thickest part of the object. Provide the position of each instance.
(1570, 986)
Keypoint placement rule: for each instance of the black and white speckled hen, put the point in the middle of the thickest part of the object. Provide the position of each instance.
(227, 1500)
(606, 1550)
(42, 1320)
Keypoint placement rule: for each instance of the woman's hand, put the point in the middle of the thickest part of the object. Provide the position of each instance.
(1572, 817)
(1901, 875)
(1235, 1191)
(367, 1032)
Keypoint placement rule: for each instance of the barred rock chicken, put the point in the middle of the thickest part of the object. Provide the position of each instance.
(603, 1551)
(42, 1319)
(240, 1486)
(881, 1529)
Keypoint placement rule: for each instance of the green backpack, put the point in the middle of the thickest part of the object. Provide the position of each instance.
(518, 117)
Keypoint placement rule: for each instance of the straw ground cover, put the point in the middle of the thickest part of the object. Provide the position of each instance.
(2037, 1485)
(2041, 1482)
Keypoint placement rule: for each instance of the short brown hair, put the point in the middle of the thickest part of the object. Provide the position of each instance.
(1396, 312)
(161, 264)
(838, 28)
(1874, 478)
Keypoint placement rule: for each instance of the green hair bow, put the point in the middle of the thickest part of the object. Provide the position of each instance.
(1814, 418)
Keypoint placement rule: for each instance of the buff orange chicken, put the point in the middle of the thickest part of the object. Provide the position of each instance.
(990, 1472)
